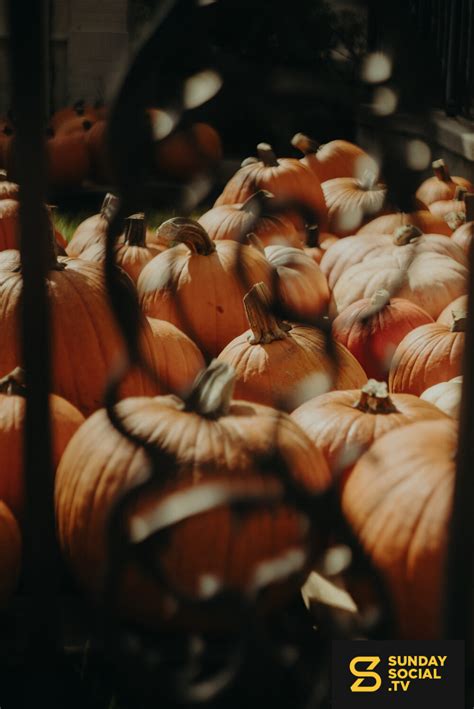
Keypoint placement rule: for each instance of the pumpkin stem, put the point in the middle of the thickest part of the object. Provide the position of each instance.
(14, 383)
(3, 176)
(368, 181)
(135, 231)
(255, 204)
(79, 107)
(469, 202)
(406, 234)
(256, 242)
(460, 193)
(459, 321)
(440, 170)
(455, 219)
(181, 230)
(375, 399)
(305, 144)
(54, 264)
(266, 155)
(109, 205)
(211, 393)
(264, 325)
(380, 299)
(312, 236)
(248, 161)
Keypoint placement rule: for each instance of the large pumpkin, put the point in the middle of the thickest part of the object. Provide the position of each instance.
(352, 202)
(92, 230)
(65, 420)
(86, 343)
(398, 501)
(423, 219)
(372, 329)
(198, 285)
(286, 178)
(276, 363)
(428, 355)
(338, 158)
(446, 396)
(344, 424)
(441, 186)
(10, 554)
(235, 221)
(209, 437)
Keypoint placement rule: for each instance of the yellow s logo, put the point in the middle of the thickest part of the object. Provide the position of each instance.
(365, 674)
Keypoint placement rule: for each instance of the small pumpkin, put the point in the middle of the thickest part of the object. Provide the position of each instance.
(79, 111)
(428, 355)
(352, 202)
(446, 396)
(422, 219)
(344, 424)
(186, 152)
(372, 329)
(453, 211)
(210, 438)
(398, 500)
(93, 229)
(10, 554)
(286, 178)
(198, 285)
(275, 362)
(338, 158)
(441, 187)
(235, 221)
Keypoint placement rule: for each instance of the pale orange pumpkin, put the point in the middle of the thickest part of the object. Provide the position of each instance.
(462, 235)
(428, 355)
(211, 438)
(423, 219)
(344, 424)
(372, 329)
(10, 554)
(338, 158)
(276, 363)
(453, 211)
(352, 202)
(198, 285)
(93, 229)
(398, 501)
(441, 187)
(446, 396)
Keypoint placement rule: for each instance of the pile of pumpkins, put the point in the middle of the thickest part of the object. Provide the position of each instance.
(76, 147)
(337, 344)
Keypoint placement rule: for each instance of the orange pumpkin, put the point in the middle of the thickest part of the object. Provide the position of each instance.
(286, 178)
(65, 420)
(10, 554)
(93, 229)
(462, 235)
(446, 316)
(198, 285)
(96, 143)
(372, 329)
(68, 160)
(422, 219)
(398, 501)
(428, 355)
(211, 438)
(317, 243)
(344, 424)
(79, 111)
(235, 221)
(338, 158)
(441, 187)
(453, 211)
(6, 134)
(446, 396)
(188, 151)
(352, 202)
(276, 363)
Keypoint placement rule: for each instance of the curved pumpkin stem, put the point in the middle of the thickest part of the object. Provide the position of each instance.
(406, 234)
(368, 181)
(265, 326)
(13, 384)
(375, 399)
(109, 205)
(459, 321)
(441, 171)
(305, 144)
(380, 299)
(455, 219)
(266, 155)
(135, 230)
(256, 242)
(256, 203)
(180, 230)
(211, 394)
(54, 264)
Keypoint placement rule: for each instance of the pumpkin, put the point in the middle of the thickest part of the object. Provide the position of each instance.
(423, 219)
(428, 355)
(398, 501)
(446, 316)
(462, 235)
(441, 187)
(10, 225)
(446, 396)
(186, 152)
(8, 189)
(344, 424)
(198, 285)
(235, 221)
(352, 202)
(210, 437)
(405, 240)
(178, 359)
(132, 253)
(92, 230)
(276, 362)
(453, 211)
(427, 279)
(299, 284)
(10, 554)
(79, 111)
(65, 420)
(86, 343)
(6, 133)
(372, 329)
(286, 178)
(338, 158)
(68, 160)
(96, 143)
